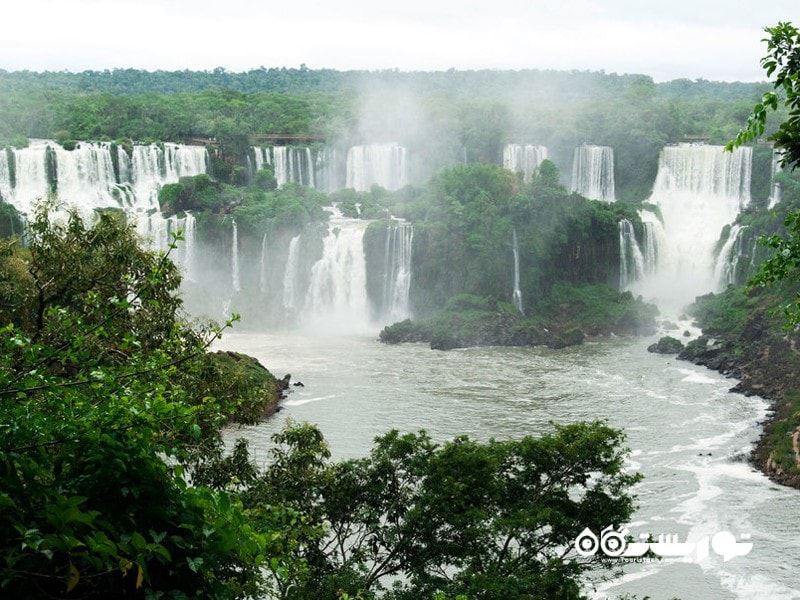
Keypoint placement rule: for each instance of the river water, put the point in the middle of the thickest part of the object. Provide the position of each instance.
(688, 435)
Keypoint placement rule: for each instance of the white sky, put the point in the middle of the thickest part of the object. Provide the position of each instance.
(719, 40)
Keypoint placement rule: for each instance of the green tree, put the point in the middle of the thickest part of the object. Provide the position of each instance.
(782, 269)
(101, 405)
(488, 520)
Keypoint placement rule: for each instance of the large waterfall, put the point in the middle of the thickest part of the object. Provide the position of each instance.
(336, 299)
(376, 164)
(523, 159)
(95, 175)
(698, 190)
(593, 172)
(104, 175)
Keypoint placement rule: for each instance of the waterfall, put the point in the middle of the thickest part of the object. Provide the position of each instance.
(30, 182)
(698, 190)
(728, 258)
(337, 294)
(262, 266)
(376, 164)
(593, 172)
(397, 268)
(631, 259)
(523, 159)
(157, 232)
(776, 193)
(235, 281)
(291, 164)
(516, 295)
(327, 171)
(290, 275)
(152, 166)
(85, 176)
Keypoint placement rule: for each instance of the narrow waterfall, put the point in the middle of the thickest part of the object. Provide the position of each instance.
(376, 164)
(523, 159)
(655, 248)
(397, 269)
(728, 258)
(776, 193)
(336, 299)
(291, 164)
(236, 284)
(262, 266)
(631, 259)
(516, 295)
(698, 190)
(593, 172)
(290, 275)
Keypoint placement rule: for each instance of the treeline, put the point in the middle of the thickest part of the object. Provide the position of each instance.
(443, 118)
(302, 80)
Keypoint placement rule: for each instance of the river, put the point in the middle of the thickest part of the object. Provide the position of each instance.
(688, 435)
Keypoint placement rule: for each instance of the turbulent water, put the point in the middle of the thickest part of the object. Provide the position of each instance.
(688, 436)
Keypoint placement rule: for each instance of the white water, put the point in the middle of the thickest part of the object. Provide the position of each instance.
(523, 159)
(728, 259)
(688, 436)
(593, 172)
(86, 178)
(336, 299)
(699, 190)
(290, 275)
(776, 194)
(376, 164)
(516, 294)
(397, 269)
(236, 283)
(158, 234)
(631, 259)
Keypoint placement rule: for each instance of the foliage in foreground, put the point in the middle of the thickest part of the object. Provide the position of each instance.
(102, 402)
(110, 406)
(487, 520)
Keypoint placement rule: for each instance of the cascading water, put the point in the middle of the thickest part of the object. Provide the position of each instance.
(328, 172)
(336, 299)
(775, 194)
(262, 266)
(397, 267)
(376, 164)
(152, 166)
(698, 190)
(728, 258)
(290, 275)
(516, 295)
(85, 177)
(523, 159)
(158, 235)
(236, 283)
(291, 164)
(593, 172)
(631, 259)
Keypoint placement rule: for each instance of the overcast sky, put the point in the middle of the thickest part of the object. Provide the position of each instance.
(719, 40)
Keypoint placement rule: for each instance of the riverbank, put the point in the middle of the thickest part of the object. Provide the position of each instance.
(741, 339)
